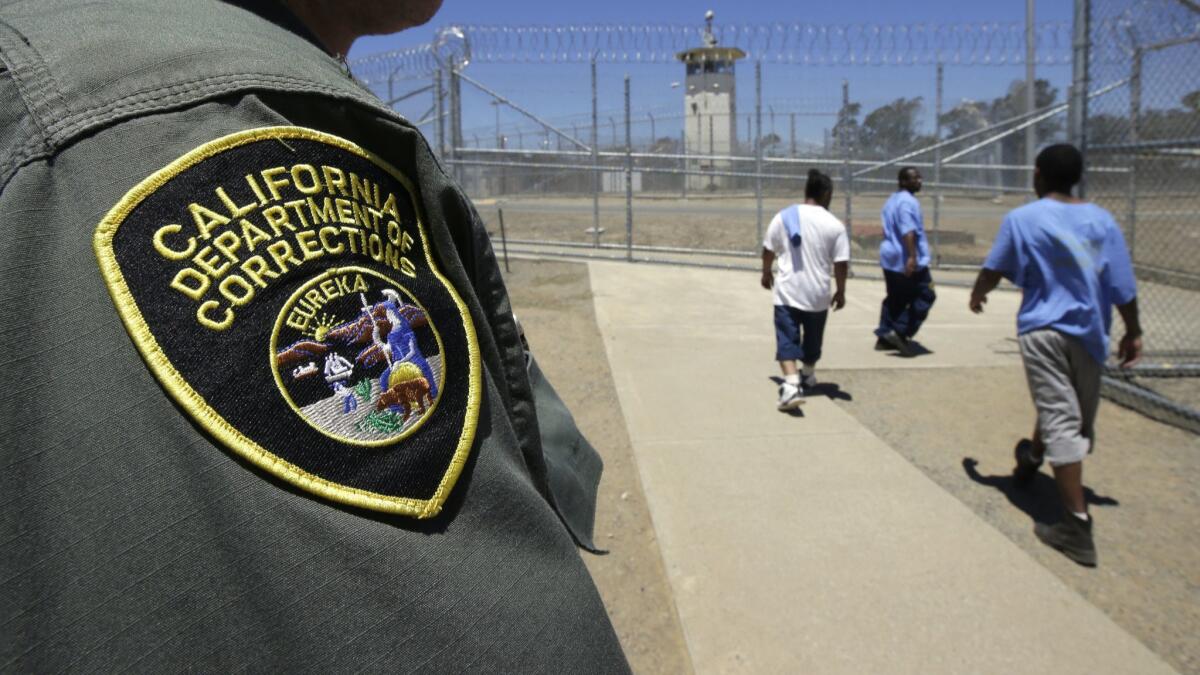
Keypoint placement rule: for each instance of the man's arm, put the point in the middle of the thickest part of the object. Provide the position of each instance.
(768, 279)
(1130, 350)
(985, 283)
(839, 276)
(910, 248)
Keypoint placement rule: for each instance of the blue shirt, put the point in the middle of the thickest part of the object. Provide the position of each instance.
(901, 215)
(1072, 264)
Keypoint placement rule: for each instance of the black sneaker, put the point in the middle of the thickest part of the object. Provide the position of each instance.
(899, 343)
(882, 345)
(1027, 463)
(1071, 536)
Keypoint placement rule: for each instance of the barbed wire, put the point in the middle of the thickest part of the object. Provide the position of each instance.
(1119, 27)
(786, 43)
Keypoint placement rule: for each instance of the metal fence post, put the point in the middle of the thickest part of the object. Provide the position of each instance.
(503, 235)
(441, 115)
(628, 176)
(683, 162)
(455, 119)
(595, 162)
(1135, 111)
(758, 187)
(1081, 28)
(1030, 87)
(711, 162)
(937, 168)
(792, 154)
(848, 176)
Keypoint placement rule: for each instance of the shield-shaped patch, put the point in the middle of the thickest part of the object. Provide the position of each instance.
(280, 285)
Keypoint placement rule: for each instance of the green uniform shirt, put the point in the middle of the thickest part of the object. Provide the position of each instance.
(149, 520)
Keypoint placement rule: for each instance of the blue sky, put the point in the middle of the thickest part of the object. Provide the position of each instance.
(562, 93)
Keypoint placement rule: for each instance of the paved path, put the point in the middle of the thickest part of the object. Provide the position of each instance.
(808, 544)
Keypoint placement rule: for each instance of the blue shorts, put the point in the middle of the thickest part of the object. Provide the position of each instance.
(799, 334)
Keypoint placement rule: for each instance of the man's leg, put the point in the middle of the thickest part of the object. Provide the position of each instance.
(1069, 478)
(894, 316)
(813, 324)
(787, 352)
(921, 302)
(1028, 454)
(893, 303)
(1047, 358)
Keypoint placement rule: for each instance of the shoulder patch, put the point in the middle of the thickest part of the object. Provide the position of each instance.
(280, 285)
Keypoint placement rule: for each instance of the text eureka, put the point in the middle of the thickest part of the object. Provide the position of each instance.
(235, 250)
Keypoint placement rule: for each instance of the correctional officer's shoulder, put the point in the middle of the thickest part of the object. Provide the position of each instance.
(279, 282)
(169, 58)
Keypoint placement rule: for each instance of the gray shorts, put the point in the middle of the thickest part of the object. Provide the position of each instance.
(1064, 381)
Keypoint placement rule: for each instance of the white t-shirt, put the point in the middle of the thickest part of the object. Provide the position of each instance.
(803, 275)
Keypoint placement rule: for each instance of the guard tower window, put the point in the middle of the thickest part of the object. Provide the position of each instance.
(715, 67)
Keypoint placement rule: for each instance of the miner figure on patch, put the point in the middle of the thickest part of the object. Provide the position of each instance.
(407, 384)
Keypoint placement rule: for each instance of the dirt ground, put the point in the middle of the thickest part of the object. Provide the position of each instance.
(1142, 480)
(1142, 489)
(554, 303)
(729, 223)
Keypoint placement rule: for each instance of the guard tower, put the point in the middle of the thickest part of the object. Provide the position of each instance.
(710, 108)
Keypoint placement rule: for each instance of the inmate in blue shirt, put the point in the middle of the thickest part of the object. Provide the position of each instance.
(901, 215)
(1072, 264)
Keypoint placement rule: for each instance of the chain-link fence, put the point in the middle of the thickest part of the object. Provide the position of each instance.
(537, 121)
(1151, 123)
(678, 144)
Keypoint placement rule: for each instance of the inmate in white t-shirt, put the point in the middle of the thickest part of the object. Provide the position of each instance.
(802, 279)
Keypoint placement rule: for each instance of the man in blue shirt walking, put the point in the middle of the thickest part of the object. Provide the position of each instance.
(1069, 259)
(904, 256)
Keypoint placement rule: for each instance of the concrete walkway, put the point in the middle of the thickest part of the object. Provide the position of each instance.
(806, 544)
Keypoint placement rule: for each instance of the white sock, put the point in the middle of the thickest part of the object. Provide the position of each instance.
(793, 379)
(1081, 516)
(809, 370)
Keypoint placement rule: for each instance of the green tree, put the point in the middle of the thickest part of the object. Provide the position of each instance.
(846, 132)
(1012, 148)
(891, 128)
(771, 143)
(1192, 101)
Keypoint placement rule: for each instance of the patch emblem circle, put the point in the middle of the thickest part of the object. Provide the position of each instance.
(280, 284)
(369, 411)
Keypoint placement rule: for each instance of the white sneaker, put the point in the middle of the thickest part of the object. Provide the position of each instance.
(789, 397)
(808, 382)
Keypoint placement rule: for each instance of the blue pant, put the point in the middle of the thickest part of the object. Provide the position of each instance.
(907, 303)
(789, 324)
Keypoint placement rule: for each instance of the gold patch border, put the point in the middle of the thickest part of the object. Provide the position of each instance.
(287, 396)
(195, 404)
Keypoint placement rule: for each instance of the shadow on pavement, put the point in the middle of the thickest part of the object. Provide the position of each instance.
(830, 390)
(827, 389)
(1039, 499)
(915, 349)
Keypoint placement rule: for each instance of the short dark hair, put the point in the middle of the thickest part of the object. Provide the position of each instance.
(904, 171)
(1061, 167)
(817, 185)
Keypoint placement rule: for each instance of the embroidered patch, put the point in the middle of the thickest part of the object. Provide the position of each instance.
(280, 285)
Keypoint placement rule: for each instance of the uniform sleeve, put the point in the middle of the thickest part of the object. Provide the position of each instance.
(841, 245)
(908, 217)
(1122, 284)
(1005, 257)
(773, 239)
